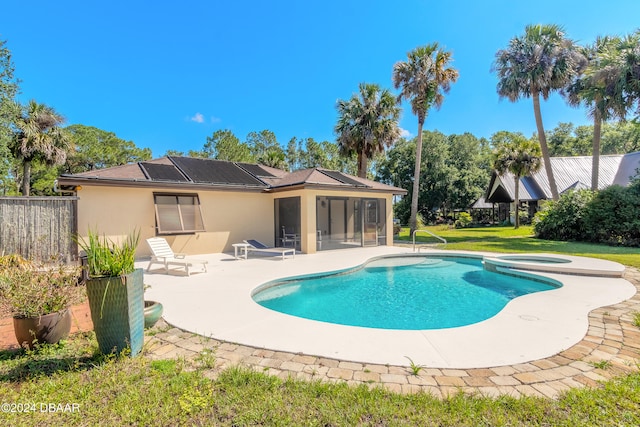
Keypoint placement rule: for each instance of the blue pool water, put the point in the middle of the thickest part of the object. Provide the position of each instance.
(410, 293)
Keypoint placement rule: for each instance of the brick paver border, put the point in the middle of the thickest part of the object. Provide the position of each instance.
(610, 348)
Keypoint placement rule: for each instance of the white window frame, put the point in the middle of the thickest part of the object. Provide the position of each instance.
(160, 230)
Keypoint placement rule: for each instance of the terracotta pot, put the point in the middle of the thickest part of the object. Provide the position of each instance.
(152, 313)
(49, 328)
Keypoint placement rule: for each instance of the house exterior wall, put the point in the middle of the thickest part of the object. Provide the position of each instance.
(229, 217)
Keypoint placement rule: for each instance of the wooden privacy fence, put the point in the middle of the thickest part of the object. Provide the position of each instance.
(39, 228)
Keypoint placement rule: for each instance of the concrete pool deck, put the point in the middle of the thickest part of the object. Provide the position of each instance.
(218, 304)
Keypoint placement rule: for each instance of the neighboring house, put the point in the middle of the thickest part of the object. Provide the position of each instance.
(205, 205)
(571, 173)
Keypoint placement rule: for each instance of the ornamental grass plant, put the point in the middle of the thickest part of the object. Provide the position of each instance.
(106, 258)
(31, 289)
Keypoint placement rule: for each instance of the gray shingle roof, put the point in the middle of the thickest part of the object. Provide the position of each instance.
(177, 171)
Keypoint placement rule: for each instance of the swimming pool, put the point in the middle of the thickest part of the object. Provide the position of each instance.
(401, 292)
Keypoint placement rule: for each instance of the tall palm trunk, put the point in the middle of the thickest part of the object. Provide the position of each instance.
(416, 179)
(543, 143)
(595, 166)
(26, 178)
(517, 200)
(362, 165)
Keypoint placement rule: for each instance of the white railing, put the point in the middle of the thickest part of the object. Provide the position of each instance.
(428, 232)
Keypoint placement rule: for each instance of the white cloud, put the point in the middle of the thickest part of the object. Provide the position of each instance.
(198, 118)
(405, 133)
(215, 119)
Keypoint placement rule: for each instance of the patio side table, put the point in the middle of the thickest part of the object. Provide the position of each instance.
(244, 249)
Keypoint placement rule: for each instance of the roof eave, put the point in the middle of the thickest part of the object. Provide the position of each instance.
(300, 186)
(114, 182)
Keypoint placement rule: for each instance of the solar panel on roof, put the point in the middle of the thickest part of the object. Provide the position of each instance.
(255, 170)
(160, 172)
(338, 176)
(215, 172)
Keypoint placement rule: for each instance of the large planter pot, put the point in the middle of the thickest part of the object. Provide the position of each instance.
(152, 313)
(117, 306)
(49, 328)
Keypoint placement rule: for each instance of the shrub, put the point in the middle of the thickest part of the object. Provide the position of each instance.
(32, 290)
(464, 220)
(613, 216)
(564, 219)
(523, 213)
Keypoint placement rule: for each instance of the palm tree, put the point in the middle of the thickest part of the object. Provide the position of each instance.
(521, 157)
(630, 69)
(597, 88)
(423, 80)
(38, 136)
(273, 158)
(367, 123)
(537, 63)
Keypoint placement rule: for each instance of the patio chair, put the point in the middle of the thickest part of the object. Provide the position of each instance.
(256, 246)
(163, 254)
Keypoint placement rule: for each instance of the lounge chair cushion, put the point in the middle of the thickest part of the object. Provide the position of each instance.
(261, 247)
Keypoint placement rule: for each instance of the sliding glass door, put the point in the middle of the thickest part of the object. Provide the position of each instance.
(347, 222)
(287, 222)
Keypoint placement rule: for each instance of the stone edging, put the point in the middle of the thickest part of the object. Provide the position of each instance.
(610, 348)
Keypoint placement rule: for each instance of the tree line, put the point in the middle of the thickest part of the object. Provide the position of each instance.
(448, 173)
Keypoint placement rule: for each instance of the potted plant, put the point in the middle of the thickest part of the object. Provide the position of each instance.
(152, 311)
(39, 297)
(115, 290)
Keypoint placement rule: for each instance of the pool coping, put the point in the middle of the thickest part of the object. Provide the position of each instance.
(217, 304)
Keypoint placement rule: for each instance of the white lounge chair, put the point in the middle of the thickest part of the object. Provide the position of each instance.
(163, 254)
(256, 246)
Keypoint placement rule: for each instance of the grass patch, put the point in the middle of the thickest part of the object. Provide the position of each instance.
(415, 368)
(508, 239)
(601, 364)
(636, 318)
(124, 391)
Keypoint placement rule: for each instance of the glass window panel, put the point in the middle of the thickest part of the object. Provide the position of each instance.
(166, 200)
(168, 218)
(178, 213)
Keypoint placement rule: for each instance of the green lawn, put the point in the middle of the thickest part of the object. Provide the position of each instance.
(121, 391)
(508, 239)
(114, 392)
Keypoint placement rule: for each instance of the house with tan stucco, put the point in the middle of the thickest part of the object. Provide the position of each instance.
(206, 205)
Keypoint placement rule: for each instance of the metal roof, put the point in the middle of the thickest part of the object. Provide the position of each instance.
(628, 169)
(481, 203)
(569, 172)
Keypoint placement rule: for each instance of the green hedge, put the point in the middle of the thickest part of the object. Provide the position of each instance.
(610, 216)
(613, 216)
(564, 219)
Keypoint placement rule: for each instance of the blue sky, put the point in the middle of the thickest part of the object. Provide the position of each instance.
(167, 74)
